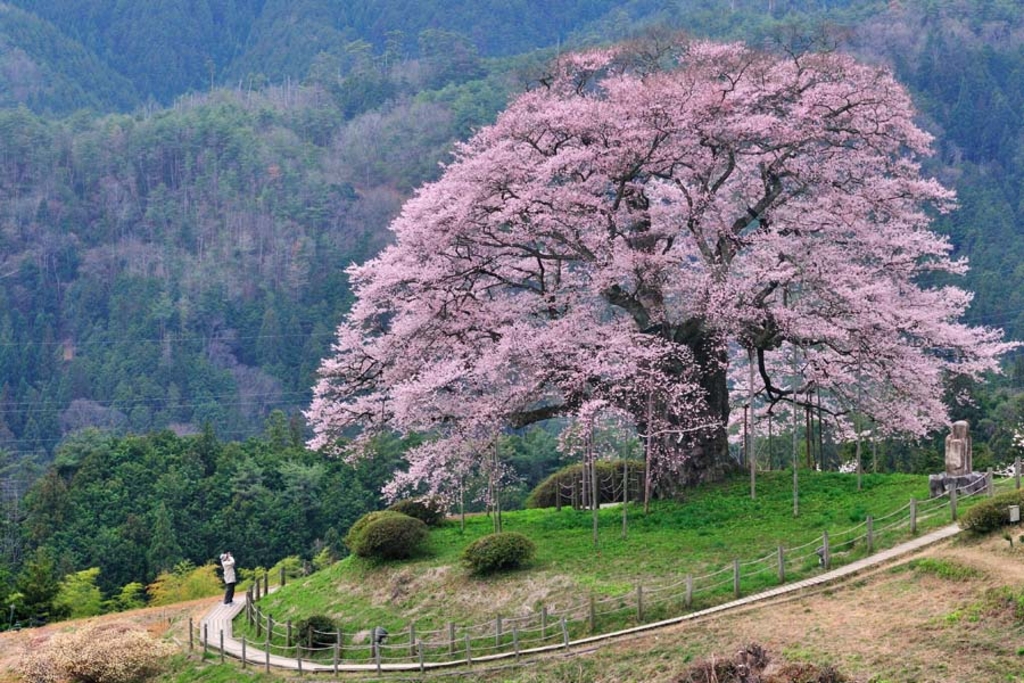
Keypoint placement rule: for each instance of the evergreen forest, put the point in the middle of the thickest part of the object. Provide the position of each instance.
(182, 185)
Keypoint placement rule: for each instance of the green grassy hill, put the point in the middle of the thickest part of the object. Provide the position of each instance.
(699, 537)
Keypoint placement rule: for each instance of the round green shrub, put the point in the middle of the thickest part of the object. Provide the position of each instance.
(360, 524)
(387, 535)
(556, 489)
(497, 552)
(316, 630)
(989, 515)
(429, 512)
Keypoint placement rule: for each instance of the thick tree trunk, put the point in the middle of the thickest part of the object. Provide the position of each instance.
(706, 452)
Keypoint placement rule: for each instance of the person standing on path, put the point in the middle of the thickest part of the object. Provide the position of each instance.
(228, 563)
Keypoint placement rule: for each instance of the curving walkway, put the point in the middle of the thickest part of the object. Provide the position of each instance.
(215, 629)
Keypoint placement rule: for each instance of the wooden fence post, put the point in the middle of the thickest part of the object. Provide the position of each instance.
(1016, 472)
(593, 614)
(565, 633)
(412, 639)
(913, 516)
(952, 503)
(451, 638)
(736, 578)
(826, 555)
(781, 560)
(689, 591)
(206, 639)
(222, 646)
(191, 626)
(543, 623)
(282, 576)
(639, 604)
(990, 483)
(243, 653)
(497, 630)
(469, 655)
(871, 534)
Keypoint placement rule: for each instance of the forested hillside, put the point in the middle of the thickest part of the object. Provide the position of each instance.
(183, 265)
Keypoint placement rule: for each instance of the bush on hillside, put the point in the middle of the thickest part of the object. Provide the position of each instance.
(991, 514)
(498, 552)
(429, 512)
(316, 630)
(386, 535)
(609, 479)
(102, 653)
(753, 663)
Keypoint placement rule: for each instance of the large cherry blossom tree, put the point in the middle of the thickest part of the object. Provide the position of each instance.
(634, 225)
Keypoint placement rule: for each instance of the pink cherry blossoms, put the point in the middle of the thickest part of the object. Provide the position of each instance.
(622, 234)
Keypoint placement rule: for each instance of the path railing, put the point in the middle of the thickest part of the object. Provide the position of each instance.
(559, 627)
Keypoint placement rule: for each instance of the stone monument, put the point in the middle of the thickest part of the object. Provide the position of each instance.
(959, 460)
(959, 472)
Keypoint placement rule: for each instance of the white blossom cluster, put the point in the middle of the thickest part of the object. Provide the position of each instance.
(101, 653)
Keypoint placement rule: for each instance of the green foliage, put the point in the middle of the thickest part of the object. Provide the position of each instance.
(186, 582)
(131, 596)
(79, 596)
(559, 488)
(37, 587)
(429, 512)
(316, 630)
(991, 514)
(946, 569)
(498, 552)
(386, 535)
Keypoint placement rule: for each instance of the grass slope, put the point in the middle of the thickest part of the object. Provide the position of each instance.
(702, 534)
